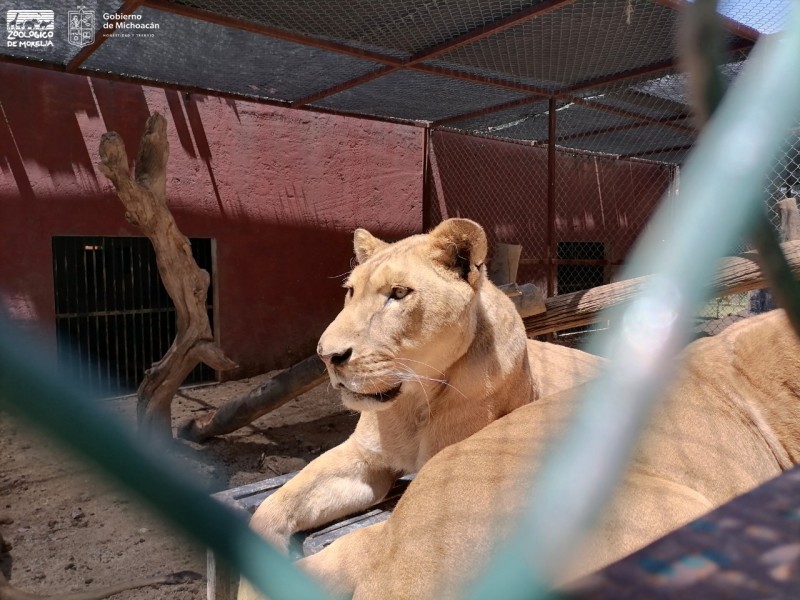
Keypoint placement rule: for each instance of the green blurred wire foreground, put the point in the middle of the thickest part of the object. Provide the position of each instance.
(721, 193)
(67, 413)
(729, 165)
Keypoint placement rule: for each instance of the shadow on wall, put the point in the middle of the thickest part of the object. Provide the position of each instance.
(281, 209)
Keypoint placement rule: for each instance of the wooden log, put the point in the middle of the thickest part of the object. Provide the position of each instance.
(762, 300)
(735, 275)
(276, 392)
(528, 299)
(790, 219)
(504, 264)
(144, 198)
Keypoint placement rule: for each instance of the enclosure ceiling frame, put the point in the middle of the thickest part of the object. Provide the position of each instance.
(734, 27)
(627, 127)
(386, 64)
(129, 7)
(391, 63)
(568, 93)
(475, 35)
(679, 148)
(644, 120)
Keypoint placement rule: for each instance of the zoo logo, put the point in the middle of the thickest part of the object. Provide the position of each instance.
(80, 28)
(29, 28)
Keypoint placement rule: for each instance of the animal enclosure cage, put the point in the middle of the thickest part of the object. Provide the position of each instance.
(551, 122)
(432, 76)
(113, 316)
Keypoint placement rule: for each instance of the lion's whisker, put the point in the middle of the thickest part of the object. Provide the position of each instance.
(419, 362)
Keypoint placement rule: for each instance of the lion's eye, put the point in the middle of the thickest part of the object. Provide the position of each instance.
(348, 291)
(399, 292)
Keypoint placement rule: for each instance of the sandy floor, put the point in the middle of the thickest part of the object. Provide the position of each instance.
(70, 530)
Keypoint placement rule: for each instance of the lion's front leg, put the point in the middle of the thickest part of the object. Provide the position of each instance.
(342, 481)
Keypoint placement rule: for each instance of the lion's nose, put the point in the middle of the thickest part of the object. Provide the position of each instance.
(334, 358)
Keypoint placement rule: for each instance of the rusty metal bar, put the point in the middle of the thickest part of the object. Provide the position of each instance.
(426, 175)
(102, 34)
(464, 39)
(552, 122)
(729, 24)
(486, 111)
(134, 80)
(632, 115)
(273, 32)
(474, 78)
(658, 151)
(642, 123)
(571, 262)
(566, 93)
(653, 69)
(484, 31)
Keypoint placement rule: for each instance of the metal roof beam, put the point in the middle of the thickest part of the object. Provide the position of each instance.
(101, 35)
(132, 79)
(616, 128)
(459, 41)
(568, 93)
(632, 115)
(657, 151)
(564, 94)
(734, 27)
(273, 32)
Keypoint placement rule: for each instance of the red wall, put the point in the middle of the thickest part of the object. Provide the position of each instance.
(281, 192)
(503, 185)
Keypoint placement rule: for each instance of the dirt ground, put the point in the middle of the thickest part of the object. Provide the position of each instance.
(71, 530)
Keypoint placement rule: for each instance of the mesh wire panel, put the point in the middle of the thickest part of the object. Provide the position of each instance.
(582, 41)
(635, 142)
(16, 15)
(418, 96)
(400, 28)
(766, 16)
(527, 122)
(500, 184)
(195, 53)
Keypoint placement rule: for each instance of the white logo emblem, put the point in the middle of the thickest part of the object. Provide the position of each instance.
(29, 28)
(80, 27)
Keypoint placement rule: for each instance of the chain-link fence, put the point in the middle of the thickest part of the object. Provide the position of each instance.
(574, 181)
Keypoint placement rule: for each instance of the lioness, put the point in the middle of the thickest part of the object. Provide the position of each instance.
(429, 351)
(730, 422)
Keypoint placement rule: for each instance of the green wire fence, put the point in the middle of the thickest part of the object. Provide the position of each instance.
(734, 154)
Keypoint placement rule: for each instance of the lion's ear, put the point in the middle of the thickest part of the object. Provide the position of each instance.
(461, 245)
(365, 244)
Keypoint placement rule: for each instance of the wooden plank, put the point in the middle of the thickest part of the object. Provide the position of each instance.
(223, 581)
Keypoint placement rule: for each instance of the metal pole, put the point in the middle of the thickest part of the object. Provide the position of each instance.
(551, 196)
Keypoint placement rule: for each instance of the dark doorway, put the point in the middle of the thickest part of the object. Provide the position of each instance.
(113, 316)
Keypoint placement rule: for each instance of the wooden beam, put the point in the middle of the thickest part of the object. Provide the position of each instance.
(735, 275)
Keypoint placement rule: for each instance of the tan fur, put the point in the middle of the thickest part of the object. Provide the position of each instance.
(455, 345)
(730, 422)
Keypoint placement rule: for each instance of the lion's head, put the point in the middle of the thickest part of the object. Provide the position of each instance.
(409, 313)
